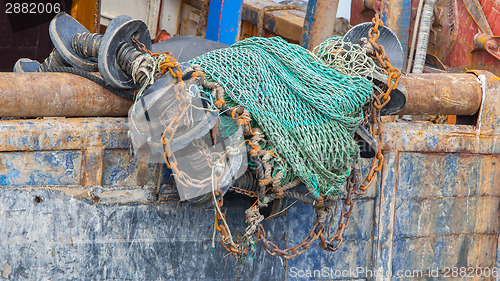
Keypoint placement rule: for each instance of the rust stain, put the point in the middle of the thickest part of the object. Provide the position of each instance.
(135, 194)
(3, 167)
(441, 93)
(418, 199)
(448, 235)
(56, 94)
(75, 192)
(288, 24)
(6, 270)
(125, 196)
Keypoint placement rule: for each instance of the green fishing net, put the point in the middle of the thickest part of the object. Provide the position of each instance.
(307, 109)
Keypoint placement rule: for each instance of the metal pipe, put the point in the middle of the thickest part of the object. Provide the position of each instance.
(319, 23)
(443, 93)
(67, 95)
(369, 4)
(56, 95)
(396, 15)
(423, 36)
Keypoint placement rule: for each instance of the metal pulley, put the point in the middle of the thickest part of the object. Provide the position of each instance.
(390, 42)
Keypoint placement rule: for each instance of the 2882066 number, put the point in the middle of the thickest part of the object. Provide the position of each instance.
(32, 8)
(471, 272)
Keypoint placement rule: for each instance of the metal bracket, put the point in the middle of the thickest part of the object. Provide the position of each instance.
(368, 146)
(490, 44)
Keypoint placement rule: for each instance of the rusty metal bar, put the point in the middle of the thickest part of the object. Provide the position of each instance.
(67, 95)
(441, 93)
(56, 95)
(87, 13)
(319, 23)
(396, 16)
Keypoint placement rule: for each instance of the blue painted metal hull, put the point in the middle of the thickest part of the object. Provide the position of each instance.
(435, 206)
(75, 204)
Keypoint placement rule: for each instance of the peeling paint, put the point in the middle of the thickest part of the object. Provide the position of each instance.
(6, 270)
(434, 176)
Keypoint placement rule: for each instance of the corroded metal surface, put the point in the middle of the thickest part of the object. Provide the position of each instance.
(60, 238)
(56, 94)
(440, 201)
(63, 134)
(86, 207)
(319, 22)
(76, 204)
(489, 43)
(453, 40)
(396, 15)
(443, 93)
(288, 24)
(461, 216)
(452, 34)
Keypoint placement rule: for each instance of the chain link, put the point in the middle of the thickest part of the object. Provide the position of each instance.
(244, 191)
(291, 252)
(352, 186)
(345, 215)
(379, 101)
(169, 64)
(225, 240)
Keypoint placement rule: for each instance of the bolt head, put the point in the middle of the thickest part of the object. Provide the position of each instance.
(491, 44)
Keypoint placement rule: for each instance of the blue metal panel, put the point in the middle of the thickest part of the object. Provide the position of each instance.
(308, 23)
(396, 15)
(354, 253)
(440, 252)
(230, 21)
(122, 169)
(385, 223)
(213, 20)
(40, 168)
(224, 18)
(65, 239)
(450, 225)
(63, 134)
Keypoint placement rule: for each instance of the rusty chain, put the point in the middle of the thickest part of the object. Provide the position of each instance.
(379, 101)
(226, 239)
(169, 64)
(291, 252)
(244, 191)
(345, 215)
(352, 186)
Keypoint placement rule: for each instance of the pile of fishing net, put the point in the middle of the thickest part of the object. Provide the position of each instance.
(266, 108)
(307, 109)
